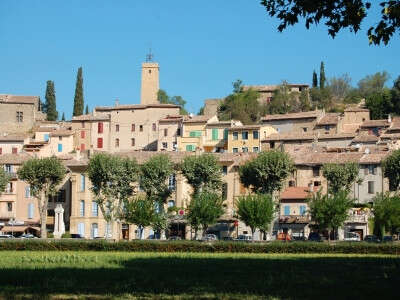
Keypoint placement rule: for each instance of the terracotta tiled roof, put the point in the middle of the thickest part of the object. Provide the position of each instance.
(336, 136)
(329, 119)
(300, 115)
(89, 117)
(289, 137)
(135, 106)
(244, 127)
(366, 138)
(14, 159)
(320, 158)
(296, 193)
(395, 125)
(356, 109)
(270, 88)
(375, 123)
(19, 99)
(197, 119)
(12, 138)
(61, 132)
(390, 136)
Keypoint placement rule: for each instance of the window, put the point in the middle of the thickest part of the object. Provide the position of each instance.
(82, 208)
(83, 147)
(235, 150)
(224, 191)
(140, 128)
(27, 191)
(165, 145)
(81, 229)
(172, 182)
(117, 128)
(9, 206)
(99, 143)
(245, 135)
(83, 124)
(255, 149)
(94, 231)
(317, 183)
(292, 183)
(302, 210)
(116, 143)
(286, 210)
(255, 135)
(371, 189)
(82, 134)
(316, 171)
(225, 134)
(83, 183)
(14, 150)
(30, 210)
(61, 196)
(20, 116)
(190, 148)
(235, 135)
(327, 127)
(100, 127)
(133, 142)
(133, 127)
(46, 137)
(225, 170)
(370, 169)
(8, 168)
(154, 127)
(95, 209)
(195, 133)
(304, 129)
(214, 134)
(60, 138)
(171, 203)
(174, 145)
(245, 149)
(165, 131)
(9, 188)
(60, 147)
(272, 145)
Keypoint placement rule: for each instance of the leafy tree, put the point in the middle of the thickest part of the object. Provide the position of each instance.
(391, 169)
(386, 212)
(45, 177)
(396, 96)
(322, 77)
(87, 110)
(284, 100)
(379, 104)
(322, 98)
(371, 84)
(243, 106)
(330, 211)
(314, 80)
(204, 209)
(266, 173)
(201, 111)
(202, 172)
(340, 86)
(112, 179)
(305, 104)
(256, 211)
(63, 117)
(4, 179)
(338, 15)
(78, 99)
(50, 106)
(163, 97)
(237, 86)
(353, 96)
(340, 176)
(139, 211)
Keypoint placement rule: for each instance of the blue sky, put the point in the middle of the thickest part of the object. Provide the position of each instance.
(201, 46)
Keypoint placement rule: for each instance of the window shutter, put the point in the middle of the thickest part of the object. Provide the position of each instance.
(287, 210)
(366, 170)
(215, 134)
(30, 211)
(302, 210)
(46, 137)
(60, 147)
(99, 143)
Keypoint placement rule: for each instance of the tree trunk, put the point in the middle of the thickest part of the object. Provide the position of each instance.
(43, 215)
(252, 234)
(329, 236)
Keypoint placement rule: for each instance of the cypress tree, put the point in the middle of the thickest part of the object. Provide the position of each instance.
(322, 77)
(50, 105)
(63, 117)
(314, 79)
(87, 110)
(78, 100)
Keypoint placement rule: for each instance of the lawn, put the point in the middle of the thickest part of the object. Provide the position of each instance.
(123, 275)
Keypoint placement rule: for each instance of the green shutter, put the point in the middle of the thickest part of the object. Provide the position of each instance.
(215, 134)
(225, 134)
(195, 133)
(190, 148)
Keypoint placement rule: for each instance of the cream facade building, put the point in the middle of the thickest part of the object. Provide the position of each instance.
(248, 138)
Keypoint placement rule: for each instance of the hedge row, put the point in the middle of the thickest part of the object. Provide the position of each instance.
(193, 246)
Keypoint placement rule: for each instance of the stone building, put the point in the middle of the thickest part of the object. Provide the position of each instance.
(248, 138)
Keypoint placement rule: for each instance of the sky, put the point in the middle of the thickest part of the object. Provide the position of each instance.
(201, 46)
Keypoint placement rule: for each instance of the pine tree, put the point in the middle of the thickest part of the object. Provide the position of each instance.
(314, 80)
(322, 77)
(78, 100)
(50, 105)
(63, 117)
(87, 110)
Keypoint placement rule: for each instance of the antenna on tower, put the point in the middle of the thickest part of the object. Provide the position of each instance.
(149, 56)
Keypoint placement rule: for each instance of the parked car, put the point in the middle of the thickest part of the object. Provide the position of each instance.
(314, 237)
(210, 237)
(244, 238)
(371, 239)
(387, 239)
(6, 236)
(76, 236)
(174, 238)
(28, 236)
(227, 238)
(352, 237)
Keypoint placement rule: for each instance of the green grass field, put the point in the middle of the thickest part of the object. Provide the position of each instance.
(122, 275)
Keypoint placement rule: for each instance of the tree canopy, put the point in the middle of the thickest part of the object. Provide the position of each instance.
(391, 169)
(266, 173)
(50, 106)
(338, 15)
(340, 176)
(386, 211)
(78, 99)
(4, 179)
(139, 211)
(163, 97)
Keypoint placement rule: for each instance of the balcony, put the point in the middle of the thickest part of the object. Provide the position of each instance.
(357, 219)
(295, 219)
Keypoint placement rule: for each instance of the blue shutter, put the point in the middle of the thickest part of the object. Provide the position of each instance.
(46, 137)
(27, 192)
(302, 210)
(83, 183)
(30, 211)
(286, 210)
(95, 209)
(60, 147)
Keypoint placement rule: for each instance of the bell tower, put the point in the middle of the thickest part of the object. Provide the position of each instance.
(150, 81)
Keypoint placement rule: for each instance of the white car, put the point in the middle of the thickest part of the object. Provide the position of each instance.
(352, 237)
(6, 236)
